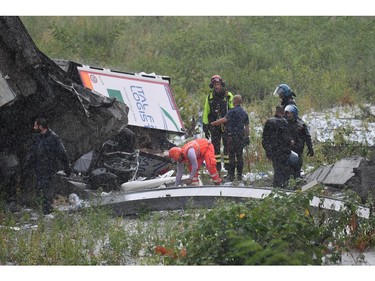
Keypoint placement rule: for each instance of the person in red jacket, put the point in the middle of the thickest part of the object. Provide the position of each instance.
(193, 154)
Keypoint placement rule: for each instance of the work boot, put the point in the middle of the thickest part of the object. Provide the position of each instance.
(230, 177)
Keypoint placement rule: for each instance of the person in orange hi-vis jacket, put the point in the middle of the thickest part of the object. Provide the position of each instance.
(193, 154)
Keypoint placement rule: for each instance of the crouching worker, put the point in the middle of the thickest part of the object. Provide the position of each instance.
(193, 154)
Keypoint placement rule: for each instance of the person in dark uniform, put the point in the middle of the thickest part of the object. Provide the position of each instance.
(300, 136)
(46, 152)
(285, 94)
(276, 141)
(216, 106)
(238, 136)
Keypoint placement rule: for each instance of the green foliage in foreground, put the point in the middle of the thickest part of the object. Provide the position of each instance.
(277, 230)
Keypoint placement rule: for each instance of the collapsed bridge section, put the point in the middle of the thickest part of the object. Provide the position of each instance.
(31, 86)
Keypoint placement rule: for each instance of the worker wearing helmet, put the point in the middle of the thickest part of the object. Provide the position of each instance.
(193, 154)
(300, 136)
(276, 141)
(216, 106)
(285, 94)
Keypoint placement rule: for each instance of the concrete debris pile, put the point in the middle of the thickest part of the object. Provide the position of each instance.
(356, 173)
(31, 86)
(108, 141)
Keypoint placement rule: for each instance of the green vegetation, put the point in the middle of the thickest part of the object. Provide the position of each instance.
(327, 61)
(277, 230)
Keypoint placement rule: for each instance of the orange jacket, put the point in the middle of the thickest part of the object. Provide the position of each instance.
(199, 145)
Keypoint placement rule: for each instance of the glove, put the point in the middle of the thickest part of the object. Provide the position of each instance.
(246, 141)
(206, 131)
(310, 152)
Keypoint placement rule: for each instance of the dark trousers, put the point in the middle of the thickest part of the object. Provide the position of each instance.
(281, 171)
(235, 146)
(217, 135)
(43, 186)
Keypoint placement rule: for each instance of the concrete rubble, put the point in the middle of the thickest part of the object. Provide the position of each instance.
(356, 173)
(31, 86)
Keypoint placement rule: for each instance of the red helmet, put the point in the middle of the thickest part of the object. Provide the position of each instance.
(175, 153)
(216, 78)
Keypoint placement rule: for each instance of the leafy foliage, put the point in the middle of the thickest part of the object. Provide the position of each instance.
(321, 58)
(326, 60)
(278, 230)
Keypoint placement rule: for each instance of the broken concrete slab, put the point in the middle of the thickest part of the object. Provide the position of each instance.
(31, 86)
(319, 174)
(355, 173)
(338, 173)
(309, 185)
(124, 204)
(364, 182)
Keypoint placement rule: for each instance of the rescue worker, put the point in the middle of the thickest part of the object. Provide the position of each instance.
(46, 152)
(285, 94)
(276, 141)
(193, 154)
(216, 106)
(300, 136)
(238, 136)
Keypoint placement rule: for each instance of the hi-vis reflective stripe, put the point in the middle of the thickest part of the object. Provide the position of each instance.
(195, 181)
(198, 148)
(214, 176)
(226, 159)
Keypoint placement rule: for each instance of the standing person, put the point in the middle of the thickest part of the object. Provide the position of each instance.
(300, 136)
(46, 152)
(238, 136)
(276, 141)
(193, 154)
(285, 94)
(216, 106)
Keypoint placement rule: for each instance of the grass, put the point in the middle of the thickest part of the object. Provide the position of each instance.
(241, 233)
(221, 235)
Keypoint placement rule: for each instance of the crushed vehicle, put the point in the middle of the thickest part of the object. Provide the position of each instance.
(94, 126)
(138, 151)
